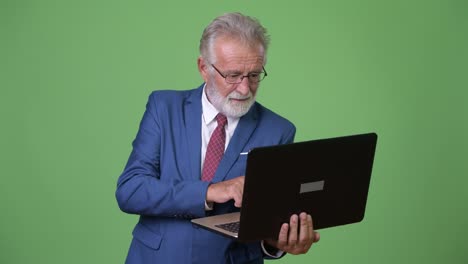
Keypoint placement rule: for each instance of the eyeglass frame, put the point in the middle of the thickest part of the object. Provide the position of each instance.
(241, 76)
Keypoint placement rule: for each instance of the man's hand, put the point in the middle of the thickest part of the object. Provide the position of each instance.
(226, 190)
(294, 238)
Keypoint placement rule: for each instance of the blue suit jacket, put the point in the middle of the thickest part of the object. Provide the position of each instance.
(161, 181)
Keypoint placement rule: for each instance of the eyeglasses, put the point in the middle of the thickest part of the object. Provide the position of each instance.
(235, 78)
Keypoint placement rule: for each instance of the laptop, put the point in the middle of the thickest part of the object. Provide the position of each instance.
(327, 178)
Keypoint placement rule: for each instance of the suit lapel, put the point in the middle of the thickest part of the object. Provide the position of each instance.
(192, 121)
(242, 134)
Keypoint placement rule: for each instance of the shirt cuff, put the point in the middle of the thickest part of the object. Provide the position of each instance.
(277, 254)
(208, 206)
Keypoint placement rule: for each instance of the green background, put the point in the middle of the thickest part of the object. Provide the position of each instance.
(75, 77)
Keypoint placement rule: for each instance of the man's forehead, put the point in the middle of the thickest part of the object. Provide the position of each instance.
(235, 52)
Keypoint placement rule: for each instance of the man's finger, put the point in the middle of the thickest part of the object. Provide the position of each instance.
(310, 225)
(293, 223)
(283, 236)
(316, 236)
(304, 230)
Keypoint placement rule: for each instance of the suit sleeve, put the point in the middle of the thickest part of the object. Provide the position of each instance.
(140, 189)
(290, 134)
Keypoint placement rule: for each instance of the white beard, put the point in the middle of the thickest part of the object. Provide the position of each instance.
(228, 107)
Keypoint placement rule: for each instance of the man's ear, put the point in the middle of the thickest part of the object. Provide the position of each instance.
(202, 68)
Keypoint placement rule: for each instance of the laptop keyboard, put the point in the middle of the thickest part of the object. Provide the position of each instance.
(231, 227)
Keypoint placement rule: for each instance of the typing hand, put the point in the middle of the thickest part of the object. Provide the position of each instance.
(226, 190)
(295, 238)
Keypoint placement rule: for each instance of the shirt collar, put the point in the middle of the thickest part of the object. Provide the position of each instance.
(209, 112)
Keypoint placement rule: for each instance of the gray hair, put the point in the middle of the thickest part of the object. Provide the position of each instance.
(243, 28)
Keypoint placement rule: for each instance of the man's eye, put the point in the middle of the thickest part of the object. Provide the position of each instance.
(233, 75)
(254, 75)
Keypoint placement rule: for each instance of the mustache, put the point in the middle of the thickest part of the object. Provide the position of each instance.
(236, 95)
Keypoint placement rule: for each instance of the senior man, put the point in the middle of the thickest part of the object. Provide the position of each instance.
(185, 161)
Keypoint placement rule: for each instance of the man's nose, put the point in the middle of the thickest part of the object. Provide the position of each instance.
(244, 87)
